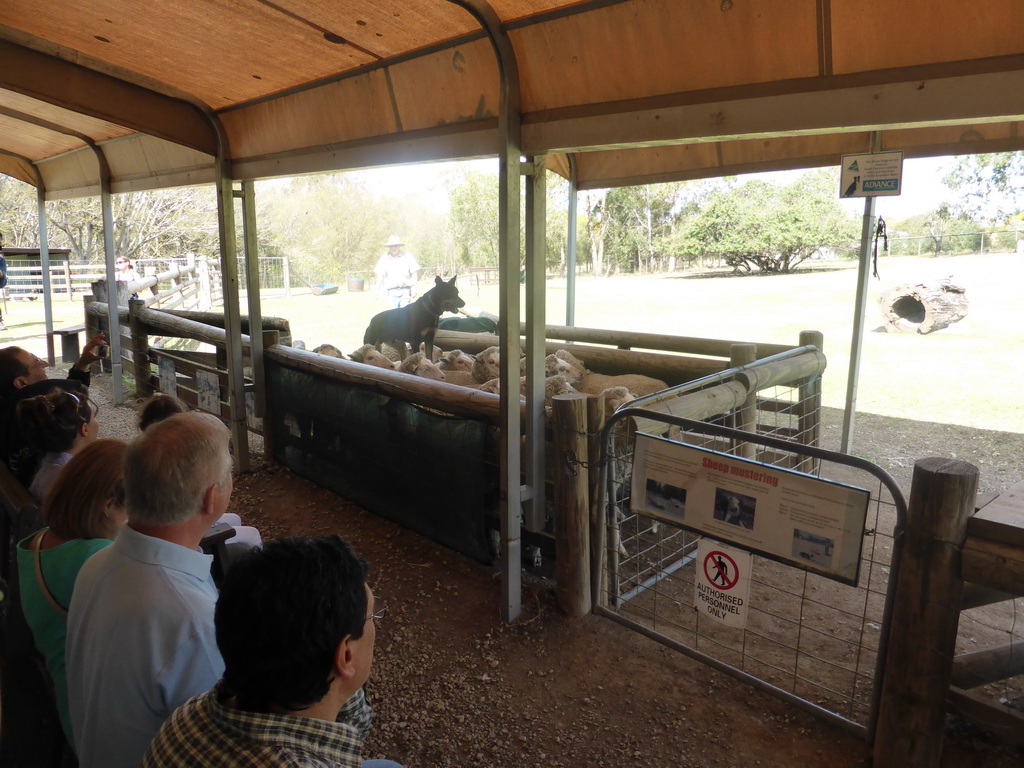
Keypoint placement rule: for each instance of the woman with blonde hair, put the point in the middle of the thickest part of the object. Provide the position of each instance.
(58, 425)
(83, 512)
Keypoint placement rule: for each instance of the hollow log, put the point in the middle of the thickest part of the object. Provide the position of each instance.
(924, 307)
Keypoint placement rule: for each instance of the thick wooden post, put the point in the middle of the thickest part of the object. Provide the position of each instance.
(93, 323)
(572, 512)
(270, 338)
(925, 615)
(140, 349)
(596, 419)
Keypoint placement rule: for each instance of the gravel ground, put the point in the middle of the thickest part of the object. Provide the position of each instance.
(455, 686)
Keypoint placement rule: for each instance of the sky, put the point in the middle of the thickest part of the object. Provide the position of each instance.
(921, 190)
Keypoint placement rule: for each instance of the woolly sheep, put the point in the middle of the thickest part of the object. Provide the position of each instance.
(369, 355)
(595, 383)
(328, 350)
(487, 365)
(456, 360)
(462, 379)
(418, 365)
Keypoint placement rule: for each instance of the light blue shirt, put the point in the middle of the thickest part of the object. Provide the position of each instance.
(140, 643)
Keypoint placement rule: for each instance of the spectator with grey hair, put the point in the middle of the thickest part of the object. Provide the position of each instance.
(140, 626)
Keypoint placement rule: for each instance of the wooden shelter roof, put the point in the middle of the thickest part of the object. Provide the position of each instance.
(635, 90)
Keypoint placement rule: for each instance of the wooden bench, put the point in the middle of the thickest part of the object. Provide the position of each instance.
(70, 346)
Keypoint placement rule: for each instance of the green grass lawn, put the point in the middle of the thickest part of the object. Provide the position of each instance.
(969, 374)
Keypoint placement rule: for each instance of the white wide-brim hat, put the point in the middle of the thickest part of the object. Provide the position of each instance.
(393, 240)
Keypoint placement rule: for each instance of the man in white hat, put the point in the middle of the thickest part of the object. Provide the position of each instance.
(397, 272)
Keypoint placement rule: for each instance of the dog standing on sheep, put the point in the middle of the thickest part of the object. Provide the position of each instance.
(416, 322)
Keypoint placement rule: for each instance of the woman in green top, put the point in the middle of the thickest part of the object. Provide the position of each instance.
(83, 511)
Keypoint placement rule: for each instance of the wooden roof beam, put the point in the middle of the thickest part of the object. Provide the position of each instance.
(978, 98)
(76, 88)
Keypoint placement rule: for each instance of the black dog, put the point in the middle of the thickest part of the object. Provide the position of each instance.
(416, 322)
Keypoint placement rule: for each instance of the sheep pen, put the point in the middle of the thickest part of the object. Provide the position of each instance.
(424, 453)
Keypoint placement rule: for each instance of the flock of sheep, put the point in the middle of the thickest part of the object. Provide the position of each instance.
(564, 373)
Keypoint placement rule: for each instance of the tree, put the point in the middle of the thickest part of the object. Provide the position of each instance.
(160, 224)
(640, 219)
(598, 221)
(991, 186)
(473, 217)
(18, 213)
(773, 229)
(328, 225)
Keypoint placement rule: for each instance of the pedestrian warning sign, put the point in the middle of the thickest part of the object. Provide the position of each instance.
(723, 582)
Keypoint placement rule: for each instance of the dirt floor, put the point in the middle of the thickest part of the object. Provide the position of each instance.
(455, 686)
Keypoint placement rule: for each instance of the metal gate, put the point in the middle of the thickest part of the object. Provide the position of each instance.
(810, 640)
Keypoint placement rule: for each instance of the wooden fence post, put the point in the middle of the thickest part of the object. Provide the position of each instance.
(925, 615)
(140, 349)
(205, 288)
(595, 423)
(572, 511)
(93, 323)
(270, 338)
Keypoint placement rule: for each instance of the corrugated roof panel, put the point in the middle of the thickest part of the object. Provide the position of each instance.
(33, 141)
(16, 168)
(387, 28)
(98, 130)
(338, 112)
(220, 52)
(451, 86)
(880, 34)
(655, 47)
(74, 171)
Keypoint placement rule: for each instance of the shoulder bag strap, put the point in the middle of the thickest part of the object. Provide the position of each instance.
(36, 544)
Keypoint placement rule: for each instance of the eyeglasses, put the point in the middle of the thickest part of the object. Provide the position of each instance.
(380, 609)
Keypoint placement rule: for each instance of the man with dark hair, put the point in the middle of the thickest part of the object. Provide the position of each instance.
(141, 639)
(296, 628)
(23, 375)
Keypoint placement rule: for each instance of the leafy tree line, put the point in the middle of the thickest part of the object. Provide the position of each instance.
(331, 225)
(147, 225)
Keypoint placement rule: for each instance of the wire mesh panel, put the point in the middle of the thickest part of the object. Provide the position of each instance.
(807, 637)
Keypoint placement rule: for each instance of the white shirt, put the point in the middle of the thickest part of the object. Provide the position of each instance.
(397, 271)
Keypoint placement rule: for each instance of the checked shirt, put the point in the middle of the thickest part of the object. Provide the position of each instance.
(203, 733)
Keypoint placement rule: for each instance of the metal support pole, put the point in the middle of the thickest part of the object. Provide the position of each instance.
(860, 306)
(113, 318)
(570, 248)
(508, 334)
(509, 144)
(44, 256)
(252, 295)
(232, 318)
(534, 511)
